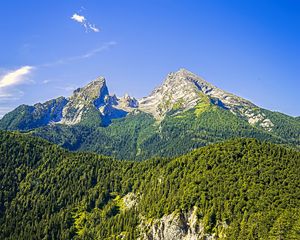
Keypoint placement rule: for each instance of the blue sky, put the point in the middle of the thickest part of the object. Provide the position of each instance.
(250, 48)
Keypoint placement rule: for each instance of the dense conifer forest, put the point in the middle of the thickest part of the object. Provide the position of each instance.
(243, 188)
(139, 136)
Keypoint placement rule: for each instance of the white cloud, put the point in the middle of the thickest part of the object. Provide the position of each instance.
(4, 95)
(8, 81)
(78, 18)
(84, 22)
(15, 77)
(93, 52)
(94, 28)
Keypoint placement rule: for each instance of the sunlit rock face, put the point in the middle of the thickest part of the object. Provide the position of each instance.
(91, 96)
(179, 226)
(180, 91)
(184, 90)
(95, 97)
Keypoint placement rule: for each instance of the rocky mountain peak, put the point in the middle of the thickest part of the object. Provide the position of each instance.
(183, 90)
(179, 90)
(94, 99)
(184, 75)
(95, 90)
(128, 103)
(91, 96)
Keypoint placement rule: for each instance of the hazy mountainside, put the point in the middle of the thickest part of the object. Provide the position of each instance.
(90, 105)
(29, 117)
(185, 112)
(239, 189)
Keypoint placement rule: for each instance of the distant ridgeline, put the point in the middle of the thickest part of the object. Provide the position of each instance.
(184, 113)
(238, 189)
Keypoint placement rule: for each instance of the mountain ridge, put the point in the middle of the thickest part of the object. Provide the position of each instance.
(188, 86)
(181, 90)
(184, 113)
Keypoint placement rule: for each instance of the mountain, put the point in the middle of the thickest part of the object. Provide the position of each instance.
(91, 104)
(184, 90)
(238, 189)
(29, 117)
(184, 113)
(181, 91)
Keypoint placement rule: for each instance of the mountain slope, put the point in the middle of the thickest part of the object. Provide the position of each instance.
(27, 117)
(90, 105)
(184, 113)
(183, 90)
(239, 189)
(138, 136)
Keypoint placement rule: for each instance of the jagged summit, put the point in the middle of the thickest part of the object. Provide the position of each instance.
(127, 103)
(185, 75)
(91, 96)
(177, 88)
(183, 90)
(93, 90)
(180, 91)
(94, 99)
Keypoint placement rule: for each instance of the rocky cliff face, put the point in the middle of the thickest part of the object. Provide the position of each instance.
(91, 96)
(95, 97)
(176, 89)
(184, 90)
(179, 226)
(50, 111)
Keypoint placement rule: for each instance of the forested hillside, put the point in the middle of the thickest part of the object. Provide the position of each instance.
(184, 113)
(239, 189)
(138, 136)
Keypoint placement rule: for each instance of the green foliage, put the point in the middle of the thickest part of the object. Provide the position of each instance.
(203, 105)
(21, 119)
(91, 117)
(285, 127)
(50, 193)
(178, 105)
(138, 136)
(121, 139)
(27, 117)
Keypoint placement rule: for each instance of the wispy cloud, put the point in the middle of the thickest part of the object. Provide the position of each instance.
(10, 95)
(9, 81)
(91, 53)
(85, 23)
(15, 77)
(78, 18)
(94, 28)
(46, 81)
